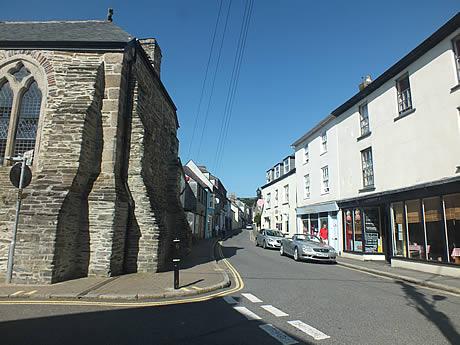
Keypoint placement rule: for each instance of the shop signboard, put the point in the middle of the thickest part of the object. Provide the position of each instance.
(371, 230)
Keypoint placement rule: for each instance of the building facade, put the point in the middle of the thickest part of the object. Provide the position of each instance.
(104, 197)
(279, 195)
(396, 188)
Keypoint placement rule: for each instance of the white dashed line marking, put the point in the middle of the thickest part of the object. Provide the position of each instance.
(251, 297)
(30, 293)
(274, 311)
(230, 300)
(17, 293)
(282, 337)
(311, 331)
(246, 312)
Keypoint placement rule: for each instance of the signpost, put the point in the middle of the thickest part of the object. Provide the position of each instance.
(20, 177)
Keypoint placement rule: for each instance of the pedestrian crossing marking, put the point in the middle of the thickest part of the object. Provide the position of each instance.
(311, 331)
(246, 312)
(230, 300)
(252, 298)
(273, 310)
(17, 293)
(30, 293)
(282, 337)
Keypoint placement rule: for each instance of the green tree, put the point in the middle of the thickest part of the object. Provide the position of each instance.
(258, 219)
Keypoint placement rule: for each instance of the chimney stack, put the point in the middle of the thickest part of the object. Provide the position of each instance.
(366, 81)
(153, 51)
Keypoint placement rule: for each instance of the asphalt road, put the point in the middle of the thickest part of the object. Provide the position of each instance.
(330, 304)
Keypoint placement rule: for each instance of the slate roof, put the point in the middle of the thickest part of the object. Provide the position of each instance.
(56, 33)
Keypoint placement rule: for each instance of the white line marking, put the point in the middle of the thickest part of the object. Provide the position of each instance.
(196, 288)
(185, 289)
(251, 297)
(311, 331)
(230, 300)
(17, 293)
(30, 293)
(246, 312)
(274, 311)
(282, 337)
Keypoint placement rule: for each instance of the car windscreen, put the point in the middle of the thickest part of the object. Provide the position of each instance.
(308, 238)
(273, 233)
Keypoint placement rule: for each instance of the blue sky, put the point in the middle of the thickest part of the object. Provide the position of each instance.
(302, 60)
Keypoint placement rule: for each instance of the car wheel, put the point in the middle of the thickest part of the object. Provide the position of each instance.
(281, 251)
(264, 245)
(296, 254)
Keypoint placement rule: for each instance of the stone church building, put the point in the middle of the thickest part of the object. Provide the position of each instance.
(87, 98)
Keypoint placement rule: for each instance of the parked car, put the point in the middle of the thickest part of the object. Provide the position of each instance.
(268, 238)
(307, 247)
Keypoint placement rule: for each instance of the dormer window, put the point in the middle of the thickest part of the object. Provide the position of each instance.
(277, 171)
(286, 166)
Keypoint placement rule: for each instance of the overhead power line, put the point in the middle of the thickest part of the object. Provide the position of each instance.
(233, 85)
(205, 78)
(203, 130)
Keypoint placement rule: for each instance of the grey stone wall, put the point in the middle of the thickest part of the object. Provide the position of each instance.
(104, 198)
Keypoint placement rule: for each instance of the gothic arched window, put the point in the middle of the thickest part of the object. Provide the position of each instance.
(20, 105)
(6, 104)
(29, 112)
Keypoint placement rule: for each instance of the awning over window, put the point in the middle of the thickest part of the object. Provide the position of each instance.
(318, 208)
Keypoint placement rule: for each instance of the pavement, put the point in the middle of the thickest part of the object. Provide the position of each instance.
(201, 272)
(382, 268)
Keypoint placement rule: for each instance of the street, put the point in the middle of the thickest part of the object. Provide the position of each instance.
(282, 302)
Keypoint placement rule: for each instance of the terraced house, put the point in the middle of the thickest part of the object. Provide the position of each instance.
(86, 97)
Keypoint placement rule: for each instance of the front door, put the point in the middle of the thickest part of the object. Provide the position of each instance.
(333, 232)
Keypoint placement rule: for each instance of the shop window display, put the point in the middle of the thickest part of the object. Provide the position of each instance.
(399, 233)
(372, 231)
(358, 231)
(348, 230)
(435, 233)
(416, 235)
(452, 207)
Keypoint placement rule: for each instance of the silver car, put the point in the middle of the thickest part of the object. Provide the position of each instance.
(307, 247)
(268, 238)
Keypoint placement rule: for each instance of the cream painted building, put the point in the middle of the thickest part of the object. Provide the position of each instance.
(279, 195)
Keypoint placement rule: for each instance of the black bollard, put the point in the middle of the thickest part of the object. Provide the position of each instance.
(176, 261)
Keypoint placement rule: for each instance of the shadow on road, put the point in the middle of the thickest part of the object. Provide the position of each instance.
(211, 322)
(427, 308)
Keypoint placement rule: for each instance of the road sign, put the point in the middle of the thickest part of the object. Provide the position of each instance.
(15, 175)
(260, 202)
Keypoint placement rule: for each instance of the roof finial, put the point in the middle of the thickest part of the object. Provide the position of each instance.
(110, 14)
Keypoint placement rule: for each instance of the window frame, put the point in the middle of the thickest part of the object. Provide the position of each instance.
(365, 129)
(456, 51)
(365, 169)
(286, 194)
(306, 195)
(324, 142)
(325, 188)
(399, 95)
(19, 87)
(306, 154)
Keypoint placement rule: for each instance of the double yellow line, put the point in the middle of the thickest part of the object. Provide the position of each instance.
(239, 284)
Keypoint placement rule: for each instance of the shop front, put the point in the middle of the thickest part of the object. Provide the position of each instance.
(321, 221)
(417, 227)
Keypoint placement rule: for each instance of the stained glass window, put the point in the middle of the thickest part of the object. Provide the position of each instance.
(26, 130)
(6, 103)
(21, 73)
